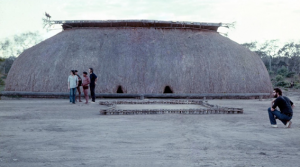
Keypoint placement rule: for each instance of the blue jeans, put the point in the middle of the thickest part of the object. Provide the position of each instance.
(282, 117)
(72, 94)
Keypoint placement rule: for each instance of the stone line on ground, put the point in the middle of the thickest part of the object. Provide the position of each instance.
(172, 111)
(211, 109)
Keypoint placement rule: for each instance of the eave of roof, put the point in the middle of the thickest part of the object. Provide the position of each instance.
(69, 24)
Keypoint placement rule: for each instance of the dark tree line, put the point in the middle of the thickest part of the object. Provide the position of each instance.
(282, 62)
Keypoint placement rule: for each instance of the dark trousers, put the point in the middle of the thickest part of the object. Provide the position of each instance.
(92, 89)
(282, 117)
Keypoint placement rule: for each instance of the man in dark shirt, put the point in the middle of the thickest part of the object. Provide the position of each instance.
(93, 79)
(285, 106)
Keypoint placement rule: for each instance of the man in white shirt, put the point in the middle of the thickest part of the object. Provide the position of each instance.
(72, 85)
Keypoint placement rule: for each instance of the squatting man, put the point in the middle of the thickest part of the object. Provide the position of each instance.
(285, 106)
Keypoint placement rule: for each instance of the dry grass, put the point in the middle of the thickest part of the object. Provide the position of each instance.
(141, 60)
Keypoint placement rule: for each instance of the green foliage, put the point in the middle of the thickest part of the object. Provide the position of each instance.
(283, 71)
(290, 74)
(7, 64)
(289, 50)
(282, 84)
(2, 82)
(297, 86)
(4, 77)
(271, 72)
(279, 78)
(279, 81)
(2, 88)
(2, 59)
(276, 56)
(251, 45)
(296, 79)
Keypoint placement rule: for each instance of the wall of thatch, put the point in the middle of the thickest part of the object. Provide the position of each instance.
(141, 60)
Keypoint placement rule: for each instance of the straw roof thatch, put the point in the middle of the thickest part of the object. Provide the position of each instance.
(141, 60)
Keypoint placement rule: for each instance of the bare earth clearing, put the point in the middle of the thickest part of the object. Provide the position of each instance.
(52, 132)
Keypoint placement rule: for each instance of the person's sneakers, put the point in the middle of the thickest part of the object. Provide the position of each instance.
(93, 101)
(288, 124)
(274, 126)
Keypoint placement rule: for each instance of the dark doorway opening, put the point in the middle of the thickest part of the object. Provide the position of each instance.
(120, 89)
(168, 90)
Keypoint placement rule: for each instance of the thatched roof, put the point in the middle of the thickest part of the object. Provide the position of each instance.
(69, 24)
(141, 60)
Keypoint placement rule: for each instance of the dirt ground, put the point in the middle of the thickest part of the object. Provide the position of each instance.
(53, 132)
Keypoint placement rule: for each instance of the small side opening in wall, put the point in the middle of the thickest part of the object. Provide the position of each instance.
(120, 89)
(168, 90)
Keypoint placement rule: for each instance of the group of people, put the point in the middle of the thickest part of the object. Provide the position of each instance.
(284, 104)
(86, 82)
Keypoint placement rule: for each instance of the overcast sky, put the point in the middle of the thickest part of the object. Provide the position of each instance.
(256, 20)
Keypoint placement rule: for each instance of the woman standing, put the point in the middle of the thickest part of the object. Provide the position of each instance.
(79, 84)
(72, 84)
(85, 86)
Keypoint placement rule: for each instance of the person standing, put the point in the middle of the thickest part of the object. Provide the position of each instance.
(286, 109)
(78, 87)
(292, 84)
(85, 86)
(93, 80)
(72, 84)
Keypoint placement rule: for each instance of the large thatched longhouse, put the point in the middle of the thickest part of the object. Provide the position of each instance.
(141, 57)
